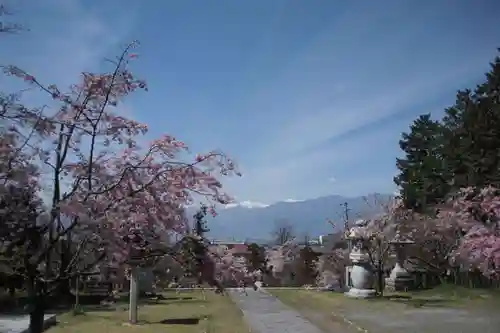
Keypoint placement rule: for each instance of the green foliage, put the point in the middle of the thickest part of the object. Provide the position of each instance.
(200, 224)
(192, 254)
(423, 179)
(306, 270)
(460, 150)
(256, 258)
(193, 250)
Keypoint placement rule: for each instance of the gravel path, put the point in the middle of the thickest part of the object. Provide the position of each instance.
(264, 313)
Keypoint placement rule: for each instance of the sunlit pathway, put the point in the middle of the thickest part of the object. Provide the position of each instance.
(264, 313)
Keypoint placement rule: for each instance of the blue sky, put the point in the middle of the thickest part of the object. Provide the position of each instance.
(310, 97)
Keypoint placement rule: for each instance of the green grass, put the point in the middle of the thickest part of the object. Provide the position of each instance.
(447, 295)
(188, 312)
(330, 310)
(442, 296)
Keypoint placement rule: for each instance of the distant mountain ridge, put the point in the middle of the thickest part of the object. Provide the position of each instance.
(248, 221)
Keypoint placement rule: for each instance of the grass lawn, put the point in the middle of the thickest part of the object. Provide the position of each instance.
(443, 296)
(447, 295)
(187, 312)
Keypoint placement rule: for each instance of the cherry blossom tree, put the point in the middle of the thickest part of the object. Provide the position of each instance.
(210, 263)
(463, 232)
(435, 241)
(331, 267)
(229, 268)
(280, 259)
(380, 230)
(108, 194)
(472, 216)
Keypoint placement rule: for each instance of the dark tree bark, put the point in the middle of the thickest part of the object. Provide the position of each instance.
(38, 305)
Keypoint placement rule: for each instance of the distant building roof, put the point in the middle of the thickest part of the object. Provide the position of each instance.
(234, 247)
(239, 248)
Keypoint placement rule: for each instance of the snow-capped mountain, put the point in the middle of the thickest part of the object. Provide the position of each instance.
(256, 220)
(246, 204)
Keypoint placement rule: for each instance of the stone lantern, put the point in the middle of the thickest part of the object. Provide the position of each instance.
(361, 272)
(399, 279)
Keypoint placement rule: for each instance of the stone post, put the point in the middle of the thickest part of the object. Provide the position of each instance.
(134, 294)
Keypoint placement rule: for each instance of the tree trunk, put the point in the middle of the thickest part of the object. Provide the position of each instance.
(37, 314)
(77, 292)
(380, 280)
(63, 291)
(12, 292)
(37, 306)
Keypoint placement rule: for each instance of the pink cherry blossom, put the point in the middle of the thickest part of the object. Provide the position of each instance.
(474, 213)
(117, 196)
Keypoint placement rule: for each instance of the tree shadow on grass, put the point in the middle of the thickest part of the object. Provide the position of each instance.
(395, 297)
(181, 321)
(124, 306)
(416, 302)
(173, 298)
(105, 308)
(172, 301)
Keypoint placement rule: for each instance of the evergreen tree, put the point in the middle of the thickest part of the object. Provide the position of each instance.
(461, 150)
(200, 224)
(256, 258)
(422, 178)
(195, 246)
(307, 271)
(473, 134)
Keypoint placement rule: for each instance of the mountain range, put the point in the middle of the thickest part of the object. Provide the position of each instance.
(248, 221)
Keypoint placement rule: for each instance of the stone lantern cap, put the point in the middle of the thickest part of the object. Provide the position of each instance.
(358, 231)
(360, 223)
(401, 240)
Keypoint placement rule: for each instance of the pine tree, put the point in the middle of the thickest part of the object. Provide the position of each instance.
(194, 247)
(473, 137)
(200, 224)
(422, 178)
(307, 265)
(461, 150)
(256, 258)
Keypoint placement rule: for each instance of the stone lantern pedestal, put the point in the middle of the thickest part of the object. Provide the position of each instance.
(361, 272)
(399, 279)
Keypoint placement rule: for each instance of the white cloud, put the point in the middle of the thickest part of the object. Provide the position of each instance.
(351, 111)
(334, 87)
(291, 163)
